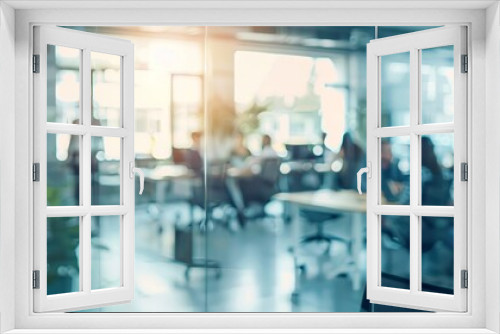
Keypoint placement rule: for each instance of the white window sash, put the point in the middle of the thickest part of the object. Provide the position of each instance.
(85, 298)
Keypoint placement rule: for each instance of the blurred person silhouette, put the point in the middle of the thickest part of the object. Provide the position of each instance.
(435, 192)
(196, 139)
(240, 153)
(253, 163)
(193, 156)
(353, 158)
(256, 181)
(208, 188)
(435, 189)
(267, 150)
(74, 161)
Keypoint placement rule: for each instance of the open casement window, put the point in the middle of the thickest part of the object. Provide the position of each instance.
(407, 74)
(83, 123)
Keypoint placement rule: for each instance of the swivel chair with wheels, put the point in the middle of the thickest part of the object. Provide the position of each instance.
(320, 218)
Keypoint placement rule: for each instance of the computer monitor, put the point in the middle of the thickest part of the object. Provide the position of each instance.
(303, 151)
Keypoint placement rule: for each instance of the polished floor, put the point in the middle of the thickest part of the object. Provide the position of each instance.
(257, 272)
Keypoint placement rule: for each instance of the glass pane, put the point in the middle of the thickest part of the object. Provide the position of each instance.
(63, 170)
(106, 89)
(395, 89)
(187, 108)
(395, 170)
(437, 169)
(305, 104)
(63, 84)
(388, 31)
(106, 252)
(289, 130)
(437, 254)
(106, 154)
(395, 252)
(437, 84)
(164, 210)
(63, 242)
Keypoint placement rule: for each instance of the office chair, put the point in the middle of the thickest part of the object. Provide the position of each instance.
(212, 195)
(319, 219)
(260, 188)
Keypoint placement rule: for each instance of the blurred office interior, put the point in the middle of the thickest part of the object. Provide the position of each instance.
(232, 125)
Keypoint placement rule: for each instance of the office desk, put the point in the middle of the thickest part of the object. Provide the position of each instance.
(162, 179)
(342, 201)
(162, 176)
(306, 166)
(168, 172)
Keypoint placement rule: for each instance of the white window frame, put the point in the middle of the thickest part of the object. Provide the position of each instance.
(86, 43)
(413, 44)
(483, 308)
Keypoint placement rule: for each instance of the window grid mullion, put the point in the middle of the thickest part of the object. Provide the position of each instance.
(109, 210)
(421, 130)
(415, 261)
(419, 210)
(86, 98)
(81, 130)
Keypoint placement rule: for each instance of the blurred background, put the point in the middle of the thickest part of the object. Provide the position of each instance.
(226, 118)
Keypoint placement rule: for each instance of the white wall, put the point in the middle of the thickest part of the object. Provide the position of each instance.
(493, 161)
(226, 17)
(7, 160)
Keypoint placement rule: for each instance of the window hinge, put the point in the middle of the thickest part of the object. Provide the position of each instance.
(464, 171)
(36, 279)
(465, 279)
(465, 64)
(36, 63)
(36, 172)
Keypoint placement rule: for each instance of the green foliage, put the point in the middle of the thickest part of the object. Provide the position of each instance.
(248, 121)
(63, 236)
(221, 117)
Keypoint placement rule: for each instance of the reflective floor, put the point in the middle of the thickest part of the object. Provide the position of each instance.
(257, 269)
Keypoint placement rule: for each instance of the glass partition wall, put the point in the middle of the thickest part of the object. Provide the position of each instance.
(233, 127)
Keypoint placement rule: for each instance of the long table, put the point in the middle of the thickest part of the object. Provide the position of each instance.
(342, 201)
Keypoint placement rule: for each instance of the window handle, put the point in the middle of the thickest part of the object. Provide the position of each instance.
(134, 170)
(368, 171)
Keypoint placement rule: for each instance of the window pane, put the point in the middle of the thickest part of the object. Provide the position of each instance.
(437, 84)
(187, 108)
(395, 170)
(388, 31)
(305, 104)
(437, 169)
(106, 89)
(106, 252)
(63, 84)
(437, 254)
(395, 252)
(395, 89)
(63, 242)
(63, 170)
(106, 154)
